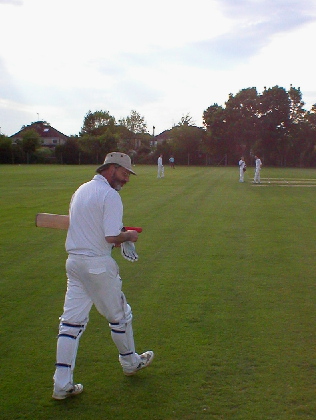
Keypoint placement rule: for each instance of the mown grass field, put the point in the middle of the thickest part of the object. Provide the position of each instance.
(223, 292)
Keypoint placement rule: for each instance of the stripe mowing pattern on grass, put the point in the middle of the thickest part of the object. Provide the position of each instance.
(223, 292)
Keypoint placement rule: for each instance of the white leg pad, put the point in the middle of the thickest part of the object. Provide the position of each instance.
(123, 337)
(67, 347)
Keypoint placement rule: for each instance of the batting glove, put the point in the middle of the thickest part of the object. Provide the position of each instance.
(128, 251)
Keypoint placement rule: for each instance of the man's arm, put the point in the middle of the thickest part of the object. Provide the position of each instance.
(129, 235)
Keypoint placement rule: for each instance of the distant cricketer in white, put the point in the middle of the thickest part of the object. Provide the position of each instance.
(242, 169)
(161, 169)
(258, 167)
(96, 214)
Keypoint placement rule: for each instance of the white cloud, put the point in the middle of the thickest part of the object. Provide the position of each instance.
(62, 58)
(12, 2)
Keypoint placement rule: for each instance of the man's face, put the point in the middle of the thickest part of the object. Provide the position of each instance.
(119, 177)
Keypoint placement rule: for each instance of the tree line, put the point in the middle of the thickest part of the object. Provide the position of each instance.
(272, 124)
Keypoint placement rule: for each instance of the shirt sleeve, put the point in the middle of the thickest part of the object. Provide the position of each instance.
(113, 214)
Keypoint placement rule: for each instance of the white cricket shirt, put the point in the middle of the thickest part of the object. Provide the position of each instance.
(258, 163)
(242, 164)
(96, 211)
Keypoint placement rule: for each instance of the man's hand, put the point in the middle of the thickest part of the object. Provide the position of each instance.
(132, 235)
(128, 251)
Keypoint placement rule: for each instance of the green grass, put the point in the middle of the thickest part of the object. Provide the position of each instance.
(223, 292)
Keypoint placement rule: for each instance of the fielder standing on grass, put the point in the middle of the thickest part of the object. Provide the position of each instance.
(258, 167)
(96, 214)
(161, 170)
(242, 169)
(171, 161)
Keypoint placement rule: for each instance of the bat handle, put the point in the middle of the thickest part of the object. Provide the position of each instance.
(138, 229)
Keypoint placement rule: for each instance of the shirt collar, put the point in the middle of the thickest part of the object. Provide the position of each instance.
(101, 178)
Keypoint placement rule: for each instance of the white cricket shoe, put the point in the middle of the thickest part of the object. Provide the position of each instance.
(145, 360)
(75, 390)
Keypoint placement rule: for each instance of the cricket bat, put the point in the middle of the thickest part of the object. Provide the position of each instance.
(53, 221)
(61, 221)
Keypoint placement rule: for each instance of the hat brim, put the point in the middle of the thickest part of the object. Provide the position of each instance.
(100, 168)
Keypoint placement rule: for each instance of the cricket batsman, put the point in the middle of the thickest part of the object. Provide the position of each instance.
(95, 227)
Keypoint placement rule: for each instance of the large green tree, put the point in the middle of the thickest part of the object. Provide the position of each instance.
(187, 141)
(274, 112)
(95, 123)
(31, 141)
(5, 149)
(302, 136)
(98, 146)
(135, 135)
(68, 153)
(215, 142)
(98, 135)
(233, 130)
(273, 124)
(241, 116)
(134, 123)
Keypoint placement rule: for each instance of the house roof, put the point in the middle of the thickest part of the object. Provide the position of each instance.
(165, 135)
(43, 129)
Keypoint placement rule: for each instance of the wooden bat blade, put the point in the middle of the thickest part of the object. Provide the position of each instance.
(53, 221)
(61, 221)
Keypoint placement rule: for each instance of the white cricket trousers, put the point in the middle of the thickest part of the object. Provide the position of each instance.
(92, 280)
(257, 175)
(241, 175)
(161, 171)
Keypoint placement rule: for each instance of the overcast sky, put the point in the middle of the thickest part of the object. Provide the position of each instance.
(165, 59)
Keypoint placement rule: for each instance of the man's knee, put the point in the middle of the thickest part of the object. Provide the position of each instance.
(70, 330)
(119, 326)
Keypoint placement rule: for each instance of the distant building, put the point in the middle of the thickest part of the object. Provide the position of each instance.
(50, 137)
(164, 136)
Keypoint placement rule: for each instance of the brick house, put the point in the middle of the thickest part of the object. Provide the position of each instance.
(50, 137)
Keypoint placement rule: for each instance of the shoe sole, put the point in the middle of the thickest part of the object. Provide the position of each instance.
(57, 397)
(63, 397)
(68, 395)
